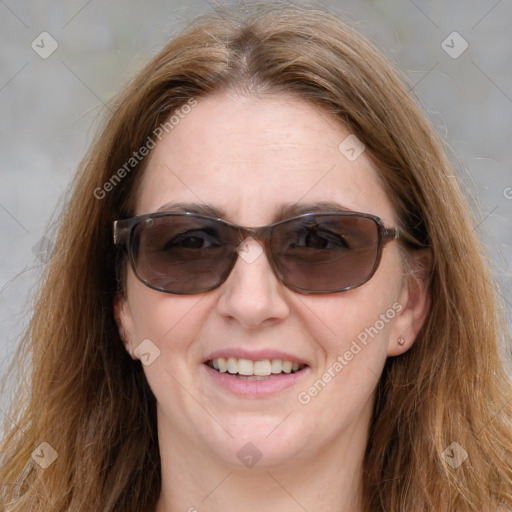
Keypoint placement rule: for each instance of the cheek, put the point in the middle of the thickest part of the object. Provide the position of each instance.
(341, 388)
(353, 335)
(352, 331)
(357, 317)
(169, 321)
(168, 326)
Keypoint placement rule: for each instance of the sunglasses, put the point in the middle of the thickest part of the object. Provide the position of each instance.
(187, 253)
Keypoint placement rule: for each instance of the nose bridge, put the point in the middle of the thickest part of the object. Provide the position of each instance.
(251, 291)
(261, 234)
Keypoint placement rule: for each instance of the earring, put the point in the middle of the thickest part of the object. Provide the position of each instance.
(401, 341)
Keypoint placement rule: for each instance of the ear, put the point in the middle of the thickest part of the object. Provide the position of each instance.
(415, 304)
(125, 324)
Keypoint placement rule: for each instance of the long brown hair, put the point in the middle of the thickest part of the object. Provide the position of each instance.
(90, 402)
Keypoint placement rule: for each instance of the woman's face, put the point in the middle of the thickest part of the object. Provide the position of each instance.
(249, 157)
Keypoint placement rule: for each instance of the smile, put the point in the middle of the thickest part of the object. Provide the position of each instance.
(254, 378)
(247, 369)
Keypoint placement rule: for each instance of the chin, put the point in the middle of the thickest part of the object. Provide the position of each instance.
(256, 443)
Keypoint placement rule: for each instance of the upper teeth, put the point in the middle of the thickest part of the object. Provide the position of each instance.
(249, 367)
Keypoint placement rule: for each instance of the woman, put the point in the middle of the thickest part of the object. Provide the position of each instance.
(343, 356)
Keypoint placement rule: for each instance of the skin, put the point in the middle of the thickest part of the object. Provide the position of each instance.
(248, 156)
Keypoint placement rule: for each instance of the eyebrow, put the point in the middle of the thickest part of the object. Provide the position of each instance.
(199, 208)
(283, 212)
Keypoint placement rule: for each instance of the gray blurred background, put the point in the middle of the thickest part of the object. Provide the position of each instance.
(50, 105)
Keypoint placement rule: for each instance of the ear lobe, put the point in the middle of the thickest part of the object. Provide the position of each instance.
(415, 301)
(124, 321)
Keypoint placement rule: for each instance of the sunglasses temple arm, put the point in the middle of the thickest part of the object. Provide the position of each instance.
(120, 232)
(391, 233)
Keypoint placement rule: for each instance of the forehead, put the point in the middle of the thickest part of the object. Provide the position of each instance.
(251, 156)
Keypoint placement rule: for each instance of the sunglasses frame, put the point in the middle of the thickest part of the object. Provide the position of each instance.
(124, 229)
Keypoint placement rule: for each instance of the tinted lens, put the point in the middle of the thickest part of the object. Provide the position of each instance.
(182, 254)
(326, 252)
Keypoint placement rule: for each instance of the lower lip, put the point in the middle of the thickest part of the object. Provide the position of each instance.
(254, 388)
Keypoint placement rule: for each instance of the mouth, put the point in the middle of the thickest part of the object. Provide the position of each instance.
(250, 370)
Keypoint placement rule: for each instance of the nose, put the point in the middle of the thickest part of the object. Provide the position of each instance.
(252, 295)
